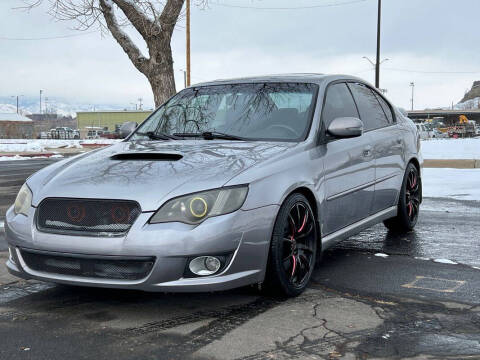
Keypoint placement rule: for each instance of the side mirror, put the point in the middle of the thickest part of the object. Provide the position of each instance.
(345, 127)
(127, 128)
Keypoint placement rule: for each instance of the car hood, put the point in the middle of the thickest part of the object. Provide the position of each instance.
(150, 172)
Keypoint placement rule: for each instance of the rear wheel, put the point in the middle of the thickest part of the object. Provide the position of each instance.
(293, 248)
(408, 203)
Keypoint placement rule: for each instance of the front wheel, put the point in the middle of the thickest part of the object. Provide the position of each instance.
(293, 248)
(408, 203)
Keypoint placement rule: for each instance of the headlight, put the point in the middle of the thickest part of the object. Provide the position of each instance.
(195, 208)
(23, 200)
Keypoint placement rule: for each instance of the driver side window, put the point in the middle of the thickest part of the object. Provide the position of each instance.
(338, 103)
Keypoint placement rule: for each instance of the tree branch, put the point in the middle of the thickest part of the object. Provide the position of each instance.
(146, 27)
(169, 16)
(133, 52)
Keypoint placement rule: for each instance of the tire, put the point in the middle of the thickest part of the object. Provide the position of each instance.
(408, 202)
(293, 248)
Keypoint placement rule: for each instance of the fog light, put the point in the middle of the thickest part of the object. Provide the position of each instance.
(205, 265)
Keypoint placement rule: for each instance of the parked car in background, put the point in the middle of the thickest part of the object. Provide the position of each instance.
(424, 132)
(229, 183)
(63, 133)
(437, 134)
(94, 134)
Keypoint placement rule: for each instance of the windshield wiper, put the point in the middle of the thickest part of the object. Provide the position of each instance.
(157, 136)
(210, 135)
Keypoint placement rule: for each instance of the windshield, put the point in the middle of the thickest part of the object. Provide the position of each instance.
(260, 111)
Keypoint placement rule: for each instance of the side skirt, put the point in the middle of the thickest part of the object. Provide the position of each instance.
(332, 239)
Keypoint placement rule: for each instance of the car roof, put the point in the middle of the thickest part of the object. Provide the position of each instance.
(300, 78)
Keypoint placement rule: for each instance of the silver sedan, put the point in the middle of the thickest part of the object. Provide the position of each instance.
(229, 183)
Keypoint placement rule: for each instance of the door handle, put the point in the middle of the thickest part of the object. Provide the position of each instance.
(367, 151)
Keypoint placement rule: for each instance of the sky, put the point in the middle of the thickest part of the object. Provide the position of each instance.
(433, 43)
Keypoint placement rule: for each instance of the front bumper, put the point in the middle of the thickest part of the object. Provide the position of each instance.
(244, 234)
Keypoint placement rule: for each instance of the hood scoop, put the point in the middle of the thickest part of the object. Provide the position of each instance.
(147, 156)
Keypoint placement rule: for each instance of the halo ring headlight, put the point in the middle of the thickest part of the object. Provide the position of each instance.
(204, 205)
(197, 207)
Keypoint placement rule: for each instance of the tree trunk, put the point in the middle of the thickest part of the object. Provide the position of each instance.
(162, 81)
(157, 34)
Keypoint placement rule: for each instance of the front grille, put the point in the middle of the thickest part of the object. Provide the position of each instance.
(88, 266)
(88, 217)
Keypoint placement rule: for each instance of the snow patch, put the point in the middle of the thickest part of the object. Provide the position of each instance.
(444, 261)
(382, 255)
(18, 157)
(460, 184)
(451, 149)
(421, 258)
(34, 146)
(27, 147)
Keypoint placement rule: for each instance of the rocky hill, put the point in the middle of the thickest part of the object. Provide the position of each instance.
(473, 93)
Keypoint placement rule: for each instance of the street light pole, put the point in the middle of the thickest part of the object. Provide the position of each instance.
(41, 101)
(188, 42)
(412, 84)
(184, 78)
(377, 65)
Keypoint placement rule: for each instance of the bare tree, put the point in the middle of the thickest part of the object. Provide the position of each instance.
(154, 20)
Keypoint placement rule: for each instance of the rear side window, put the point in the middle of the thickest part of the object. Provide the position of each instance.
(370, 110)
(386, 108)
(338, 103)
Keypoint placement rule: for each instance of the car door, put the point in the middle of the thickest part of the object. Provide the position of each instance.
(349, 171)
(387, 142)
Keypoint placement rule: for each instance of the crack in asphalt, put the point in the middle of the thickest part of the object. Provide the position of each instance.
(410, 328)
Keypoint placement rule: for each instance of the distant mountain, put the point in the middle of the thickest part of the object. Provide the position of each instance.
(31, 105)
(468, 104)
(473, 93)
(8, 108)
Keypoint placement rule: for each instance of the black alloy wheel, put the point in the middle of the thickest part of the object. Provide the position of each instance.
(408, 202)
(412, 195)
(293, 247)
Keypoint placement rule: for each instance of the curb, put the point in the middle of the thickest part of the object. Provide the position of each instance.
(452, 163)
(95, 145)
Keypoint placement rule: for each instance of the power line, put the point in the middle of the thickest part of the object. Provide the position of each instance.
(291, 8)
(432, 72)
(48, 37)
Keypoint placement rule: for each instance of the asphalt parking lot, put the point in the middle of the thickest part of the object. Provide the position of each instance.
(376, 295)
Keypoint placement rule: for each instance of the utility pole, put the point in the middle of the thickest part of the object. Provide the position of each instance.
(41, 91)
(188, 43)
(140, 104)
(377, 65)
(412, 84)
